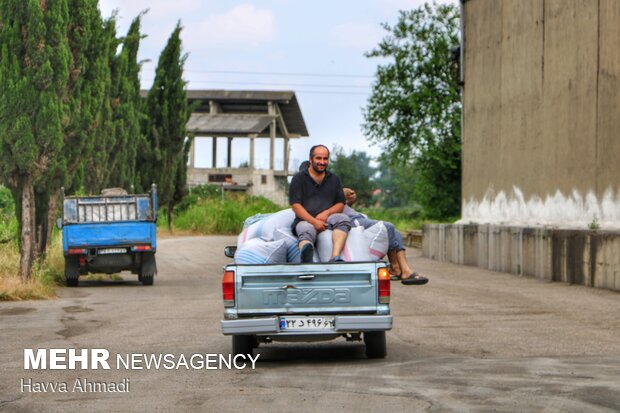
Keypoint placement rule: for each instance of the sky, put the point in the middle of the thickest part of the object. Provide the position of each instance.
(312, 47)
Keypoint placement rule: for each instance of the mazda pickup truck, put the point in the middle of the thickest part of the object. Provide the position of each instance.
(306, 302)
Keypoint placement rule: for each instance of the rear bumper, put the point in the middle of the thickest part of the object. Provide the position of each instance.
(271, 325)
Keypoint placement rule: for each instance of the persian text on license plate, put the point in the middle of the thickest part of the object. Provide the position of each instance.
(112, 251)
(307, 323)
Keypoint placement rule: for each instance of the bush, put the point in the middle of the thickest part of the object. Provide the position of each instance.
(8, 222)
(404, 218)
(210, 213)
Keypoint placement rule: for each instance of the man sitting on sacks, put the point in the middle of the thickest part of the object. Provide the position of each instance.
(317, 198)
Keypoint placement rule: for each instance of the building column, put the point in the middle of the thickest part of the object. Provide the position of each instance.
(214, 108)
(251, 163)
(192, 153)
(272, 136)
(286, 156)
(229, 153)
(214, 153)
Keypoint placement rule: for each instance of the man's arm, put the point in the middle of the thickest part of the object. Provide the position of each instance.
(334, 209)
(304, 215)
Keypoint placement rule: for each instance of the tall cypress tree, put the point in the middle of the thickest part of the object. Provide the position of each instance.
(34, 68)
(126, 109)
(168, 113)
(96, 169)
(84, 98)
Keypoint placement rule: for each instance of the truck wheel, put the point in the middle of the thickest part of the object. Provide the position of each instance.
(72, 270)
(148, 268)
(242, 345)
(375, 344)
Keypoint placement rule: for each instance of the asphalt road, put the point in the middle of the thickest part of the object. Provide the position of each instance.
(469, 341)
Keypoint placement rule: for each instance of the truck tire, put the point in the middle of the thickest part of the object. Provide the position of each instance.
(148, 268)
(243, 345)
(72, 270)
(375, 344)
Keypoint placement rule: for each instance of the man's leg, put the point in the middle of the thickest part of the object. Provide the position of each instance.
(340, 224)
(306, 235)
(394, 265)
(338, 239)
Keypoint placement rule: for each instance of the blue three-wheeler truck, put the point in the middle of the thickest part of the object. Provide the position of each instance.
(109, 233)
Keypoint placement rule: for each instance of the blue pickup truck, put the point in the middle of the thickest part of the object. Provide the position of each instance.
(109, 233)
(306, 302)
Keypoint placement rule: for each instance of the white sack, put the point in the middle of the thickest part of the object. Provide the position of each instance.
(357, 246)
(257, 251)
(264, 228)
(324, 245)
(378, 242)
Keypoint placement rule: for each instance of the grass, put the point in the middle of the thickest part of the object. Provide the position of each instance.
(218, 215)
(404, 219)
(46, 275)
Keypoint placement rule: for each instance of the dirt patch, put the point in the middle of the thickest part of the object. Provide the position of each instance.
(16, 311)
(76, 309)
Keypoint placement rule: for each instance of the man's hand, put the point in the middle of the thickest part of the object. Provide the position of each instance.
(319, 225)
(322, 216)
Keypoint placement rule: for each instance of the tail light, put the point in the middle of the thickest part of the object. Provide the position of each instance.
(228, 288)
(141, 248)
(77, 251)
(384, 285)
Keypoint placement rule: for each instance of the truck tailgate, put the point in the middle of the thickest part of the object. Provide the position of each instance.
(319, 288)
(109, 234)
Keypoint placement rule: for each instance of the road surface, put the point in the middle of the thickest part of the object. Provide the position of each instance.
(470, 340)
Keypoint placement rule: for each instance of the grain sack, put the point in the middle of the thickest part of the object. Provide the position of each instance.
(257, 251)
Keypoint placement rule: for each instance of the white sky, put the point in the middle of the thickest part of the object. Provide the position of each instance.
(313, 47)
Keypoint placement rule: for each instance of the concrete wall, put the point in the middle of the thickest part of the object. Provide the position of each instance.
(582, 257)
(541, 112)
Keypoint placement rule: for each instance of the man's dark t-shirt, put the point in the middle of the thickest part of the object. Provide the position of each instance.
(314, 197)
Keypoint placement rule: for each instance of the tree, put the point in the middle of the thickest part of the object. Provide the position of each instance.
(168, 112)
(35, 64)
(97, 163)
(414, 110)
(126, 109)
(355, 172)
(397, 184)
(84, 98)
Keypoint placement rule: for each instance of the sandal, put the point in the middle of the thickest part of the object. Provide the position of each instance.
(395, 277)
(414, 279)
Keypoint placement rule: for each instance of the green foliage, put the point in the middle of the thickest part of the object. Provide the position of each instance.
(166, 153)
(414, 110)
(198, 193)
(397, 184)
(126, 109)
(8, 221)
(217, 214)
(35, 59)
(355, 172)
(404, 218)
(102, 129)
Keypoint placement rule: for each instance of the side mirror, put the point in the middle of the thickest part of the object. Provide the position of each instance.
(229, 251)
(59, 223)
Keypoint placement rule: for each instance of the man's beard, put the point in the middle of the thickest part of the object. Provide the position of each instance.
(314, 168)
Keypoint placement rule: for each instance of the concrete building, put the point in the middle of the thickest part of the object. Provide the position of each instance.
(541, 115)
(248, 115)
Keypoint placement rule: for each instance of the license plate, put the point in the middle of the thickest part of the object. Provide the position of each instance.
(112, 251)
(307, 323)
